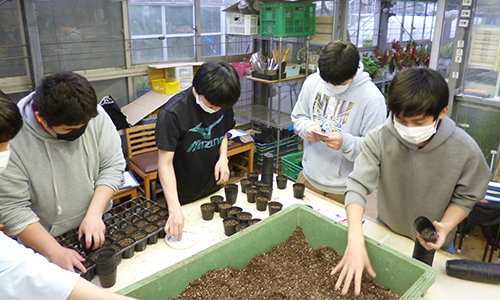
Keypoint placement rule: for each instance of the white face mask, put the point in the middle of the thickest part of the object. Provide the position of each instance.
(415, 135)
(336, 89)
(203, 106)
(4, 159)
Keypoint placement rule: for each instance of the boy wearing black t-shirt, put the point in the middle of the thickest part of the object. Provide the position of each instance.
(191, 138)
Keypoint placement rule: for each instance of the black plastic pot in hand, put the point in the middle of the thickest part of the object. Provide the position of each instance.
(281, 181)
(245, 183)
(224, 206)
(106, 261)
(422, 254)
(83, 245)
(216, 199)
(230, 225)
(251, 192)
(261, 202)
(207, 211)
(231, 190)
(298, 190)
(274, 207)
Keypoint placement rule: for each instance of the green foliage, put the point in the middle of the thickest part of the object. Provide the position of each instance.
(371, 65)
(367, 43)
(399, 57)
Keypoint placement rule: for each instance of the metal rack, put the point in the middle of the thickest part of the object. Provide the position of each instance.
(268, 115)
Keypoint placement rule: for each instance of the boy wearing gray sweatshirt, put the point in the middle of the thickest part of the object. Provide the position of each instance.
(421, 165)
(335, 110)
(65, 165)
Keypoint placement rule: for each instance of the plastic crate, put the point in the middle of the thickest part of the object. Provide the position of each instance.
(287, 146)
(177, 73)
(287, 19)
(166, 86)
(292, 70)
(395, 270)
(290, 165)
(241, 68)
(242, 24)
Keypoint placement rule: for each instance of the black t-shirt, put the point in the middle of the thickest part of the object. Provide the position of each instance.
(195, 136)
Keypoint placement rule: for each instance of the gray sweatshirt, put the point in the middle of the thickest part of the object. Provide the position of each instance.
(449, 171)
(53, 181)
(354, 113)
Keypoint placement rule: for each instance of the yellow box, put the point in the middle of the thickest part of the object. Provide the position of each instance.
(166, 86)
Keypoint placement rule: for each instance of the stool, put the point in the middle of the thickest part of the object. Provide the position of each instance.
(237, 148)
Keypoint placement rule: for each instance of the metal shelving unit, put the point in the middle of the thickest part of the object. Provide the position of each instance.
(267, 115)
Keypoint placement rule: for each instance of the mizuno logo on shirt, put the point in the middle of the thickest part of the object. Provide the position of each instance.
(206, 132)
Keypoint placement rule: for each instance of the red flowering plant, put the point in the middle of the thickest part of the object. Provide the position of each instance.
(398, 57)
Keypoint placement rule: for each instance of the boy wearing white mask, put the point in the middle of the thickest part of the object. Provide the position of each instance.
(336, 108)
(421, 165)
(191, 138)
(25, 274)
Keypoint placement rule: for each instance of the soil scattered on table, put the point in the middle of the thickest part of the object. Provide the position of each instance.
(291, 270)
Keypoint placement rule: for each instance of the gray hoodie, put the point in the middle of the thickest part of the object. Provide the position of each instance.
(411, 182)
(354, 112)
(52, 181)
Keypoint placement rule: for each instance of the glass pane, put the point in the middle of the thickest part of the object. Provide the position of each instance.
(80, 34)
(12, 52)
(210, 19)
(211, 45)
(141, 86)
(145, 19)
(117, 88)
(412, 21)
(179, 19)
(448, 37)
(147, 51)
(362, 22)
(324, 8)
(239, 45)
(180, 48)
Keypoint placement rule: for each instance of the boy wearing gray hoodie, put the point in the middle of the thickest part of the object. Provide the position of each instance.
(336, 109)
(65, 165)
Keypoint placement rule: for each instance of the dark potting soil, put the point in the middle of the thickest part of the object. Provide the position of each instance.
(141, 223)
(130, 229)
(117, 236)
(265, 199)
(245, 217)
(163, 212)
(231, 223)
(150, 228)
(252, 191)
(161, 223)
(153, 218)
(234, 211)
(207, 207)
(125, 242)
(275, 206)
(225, 206)
(138, 235)
(298, 187)
(291, 270)
(154, 208)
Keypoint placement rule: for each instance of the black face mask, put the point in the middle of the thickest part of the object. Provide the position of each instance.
(72, 135)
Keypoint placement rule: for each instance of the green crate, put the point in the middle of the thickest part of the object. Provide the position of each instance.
(287, 19)
(287, 146)
(290, 165)
(399, 272)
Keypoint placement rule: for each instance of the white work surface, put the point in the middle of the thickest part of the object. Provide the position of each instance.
(160, 256)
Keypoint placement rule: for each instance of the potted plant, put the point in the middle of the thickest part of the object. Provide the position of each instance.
(399, 57)
(371, 65)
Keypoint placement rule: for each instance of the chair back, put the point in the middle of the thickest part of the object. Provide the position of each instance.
(140, 139)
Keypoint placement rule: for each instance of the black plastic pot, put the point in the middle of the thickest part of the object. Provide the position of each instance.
(230, 225)
(422, 254)
(106, 261)
(253, 221)
(241, 226)
(216, 199)
(281, 181)
(207, 211)
(274, 207)
(231, 191)
(473, 270)
(267, 191)
(152, 231)
(261, 202)
(234, 211)
(425, 228)
(244, 217)
(224, 206)
(298, 190)
(161, 224)
(253, 177)
(251, 192)
(141, 237)
(83, 245)
(245, 183)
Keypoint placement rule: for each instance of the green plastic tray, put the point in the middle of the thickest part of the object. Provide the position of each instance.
(401, 273)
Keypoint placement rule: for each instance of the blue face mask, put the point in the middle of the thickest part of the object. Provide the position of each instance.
(72, 135)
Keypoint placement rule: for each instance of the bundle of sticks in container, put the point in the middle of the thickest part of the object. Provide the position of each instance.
(280, 58)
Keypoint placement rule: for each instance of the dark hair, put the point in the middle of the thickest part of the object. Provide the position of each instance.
(10, 118)
(417, 91)
(338, 62)
(65, 98)
(219, 83)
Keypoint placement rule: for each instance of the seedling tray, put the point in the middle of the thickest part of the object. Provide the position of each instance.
(401, 273)
(116, 219)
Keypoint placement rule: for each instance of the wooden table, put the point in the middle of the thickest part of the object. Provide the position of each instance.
(237, 148)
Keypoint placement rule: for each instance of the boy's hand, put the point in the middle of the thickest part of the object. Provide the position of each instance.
(334, 140)
(313, 137)
(67, 259)
(221, 171)
(175, 223)
(441, 233)
(353, 263)
(94, 229)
